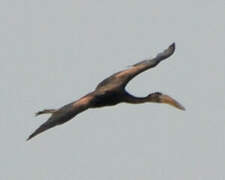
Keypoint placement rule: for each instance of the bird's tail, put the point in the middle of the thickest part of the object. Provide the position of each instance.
(45, 111)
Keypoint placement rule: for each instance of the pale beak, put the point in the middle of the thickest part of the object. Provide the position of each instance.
(168, 100)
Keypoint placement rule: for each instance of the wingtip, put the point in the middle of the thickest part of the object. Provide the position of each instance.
(173, 46)
(29, 137)
(170, 50)
(35, 133)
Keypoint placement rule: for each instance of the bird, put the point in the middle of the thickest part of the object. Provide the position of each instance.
(111, 91)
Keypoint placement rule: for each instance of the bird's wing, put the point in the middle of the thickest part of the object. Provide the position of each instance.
(64, 114)
(120, 79)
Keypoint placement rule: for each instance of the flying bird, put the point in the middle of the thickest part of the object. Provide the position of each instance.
(109, 92)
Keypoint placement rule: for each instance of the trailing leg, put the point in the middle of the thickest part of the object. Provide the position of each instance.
(46, 111)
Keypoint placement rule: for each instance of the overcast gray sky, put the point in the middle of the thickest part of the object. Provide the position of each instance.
(53, 52)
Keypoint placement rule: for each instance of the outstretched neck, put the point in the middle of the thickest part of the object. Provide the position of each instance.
(136, 100)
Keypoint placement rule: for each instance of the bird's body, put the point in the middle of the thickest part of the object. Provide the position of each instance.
(109, 92)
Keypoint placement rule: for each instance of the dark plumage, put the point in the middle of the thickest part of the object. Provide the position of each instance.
(110, 91)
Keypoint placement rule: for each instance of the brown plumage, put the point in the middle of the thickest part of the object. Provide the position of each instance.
(110, 91)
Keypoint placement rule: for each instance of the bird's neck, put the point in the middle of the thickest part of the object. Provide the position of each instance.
(136, 100)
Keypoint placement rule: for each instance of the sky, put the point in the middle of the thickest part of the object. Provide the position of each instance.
(53, 52)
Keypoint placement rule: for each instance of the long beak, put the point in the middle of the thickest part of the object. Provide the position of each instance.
(168, 100)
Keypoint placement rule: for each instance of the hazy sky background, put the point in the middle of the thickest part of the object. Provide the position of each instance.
(53, 52)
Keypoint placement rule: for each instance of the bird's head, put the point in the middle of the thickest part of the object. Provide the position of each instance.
(163, 98)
